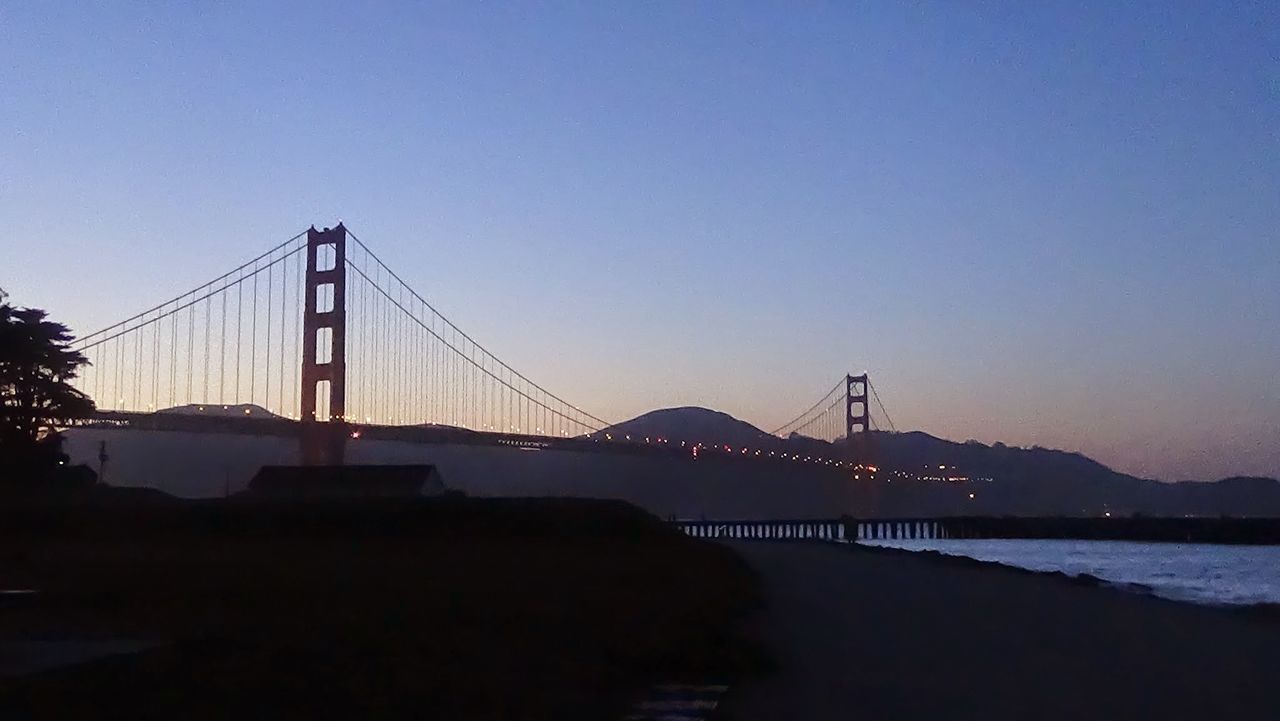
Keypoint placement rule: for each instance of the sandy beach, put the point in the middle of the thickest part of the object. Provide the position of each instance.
(885, 634)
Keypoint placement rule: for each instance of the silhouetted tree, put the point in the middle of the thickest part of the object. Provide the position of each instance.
(37, 364)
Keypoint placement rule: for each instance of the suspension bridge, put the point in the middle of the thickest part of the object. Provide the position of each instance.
(318, 339)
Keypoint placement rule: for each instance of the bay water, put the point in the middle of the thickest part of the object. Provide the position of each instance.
(1193, 572)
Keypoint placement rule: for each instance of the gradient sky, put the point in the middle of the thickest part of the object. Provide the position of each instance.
(1042, 223)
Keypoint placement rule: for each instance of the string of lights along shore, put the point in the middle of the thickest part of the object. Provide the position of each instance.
(319, 328)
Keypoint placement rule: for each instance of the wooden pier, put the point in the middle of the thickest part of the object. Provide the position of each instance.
(829, 529)
(1254, 531)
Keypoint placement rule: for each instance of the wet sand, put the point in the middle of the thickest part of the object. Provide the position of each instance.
(885, 634)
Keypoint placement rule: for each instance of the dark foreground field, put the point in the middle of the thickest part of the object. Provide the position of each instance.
(447, 609)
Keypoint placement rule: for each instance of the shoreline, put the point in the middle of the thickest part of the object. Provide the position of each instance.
(930, 636)
(1263, 609)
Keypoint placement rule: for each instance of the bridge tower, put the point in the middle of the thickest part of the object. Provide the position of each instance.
(857, 413)
(324, 341)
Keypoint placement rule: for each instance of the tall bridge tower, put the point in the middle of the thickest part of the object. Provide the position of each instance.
(324, 342)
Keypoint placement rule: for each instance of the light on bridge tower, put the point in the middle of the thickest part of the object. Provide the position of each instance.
(324, 342)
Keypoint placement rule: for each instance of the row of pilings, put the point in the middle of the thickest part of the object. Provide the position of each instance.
(827, 530)
(1184, 530)
(840, 529)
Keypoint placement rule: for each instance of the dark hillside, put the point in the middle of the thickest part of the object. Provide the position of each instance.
(1003, 479)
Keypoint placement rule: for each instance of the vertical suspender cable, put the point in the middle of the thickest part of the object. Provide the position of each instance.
(420, 373)
(388, 338)
(456, 392)
(208, 316)
(406, 321)
(406, 365)
(155, 365)
(191, 347)
(382, 357)
(97, 374)
(266, 365)
(355, 407)
(396, 366)
(173, 360)
(401, 375)
(402, 384)
(364, 349)
(137, 368)
(375, 367)
(416, 367)
(253, 340)
(388, 360)
(284, 309)
(118, 395)
(239, 315)
(300, 309)
(222, 353)
(436, 413)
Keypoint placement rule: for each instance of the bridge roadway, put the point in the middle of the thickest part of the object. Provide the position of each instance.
(424, 434)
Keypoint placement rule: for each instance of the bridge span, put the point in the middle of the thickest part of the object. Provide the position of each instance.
(334, 346)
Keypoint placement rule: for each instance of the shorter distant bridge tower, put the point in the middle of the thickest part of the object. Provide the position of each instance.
(857, 418)
(857, 414)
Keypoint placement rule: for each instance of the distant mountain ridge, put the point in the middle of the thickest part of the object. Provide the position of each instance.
(1025, 481)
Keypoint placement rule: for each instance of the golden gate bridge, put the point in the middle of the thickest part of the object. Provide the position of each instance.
(319, 338)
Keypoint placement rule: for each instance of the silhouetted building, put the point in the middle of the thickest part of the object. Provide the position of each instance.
(405, 481)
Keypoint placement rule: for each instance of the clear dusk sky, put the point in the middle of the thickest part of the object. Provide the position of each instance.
(1035, 222)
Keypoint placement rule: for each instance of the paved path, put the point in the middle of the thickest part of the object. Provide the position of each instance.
(862, 634)
(23, 656)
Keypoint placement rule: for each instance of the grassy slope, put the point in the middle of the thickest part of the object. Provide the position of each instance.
(535, 609)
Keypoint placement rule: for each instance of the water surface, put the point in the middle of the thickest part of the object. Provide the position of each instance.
(1195, 572)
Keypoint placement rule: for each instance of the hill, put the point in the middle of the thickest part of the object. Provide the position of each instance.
(695, 425)
(1002, 479)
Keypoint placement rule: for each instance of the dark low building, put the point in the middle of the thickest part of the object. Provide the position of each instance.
(404, 481)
